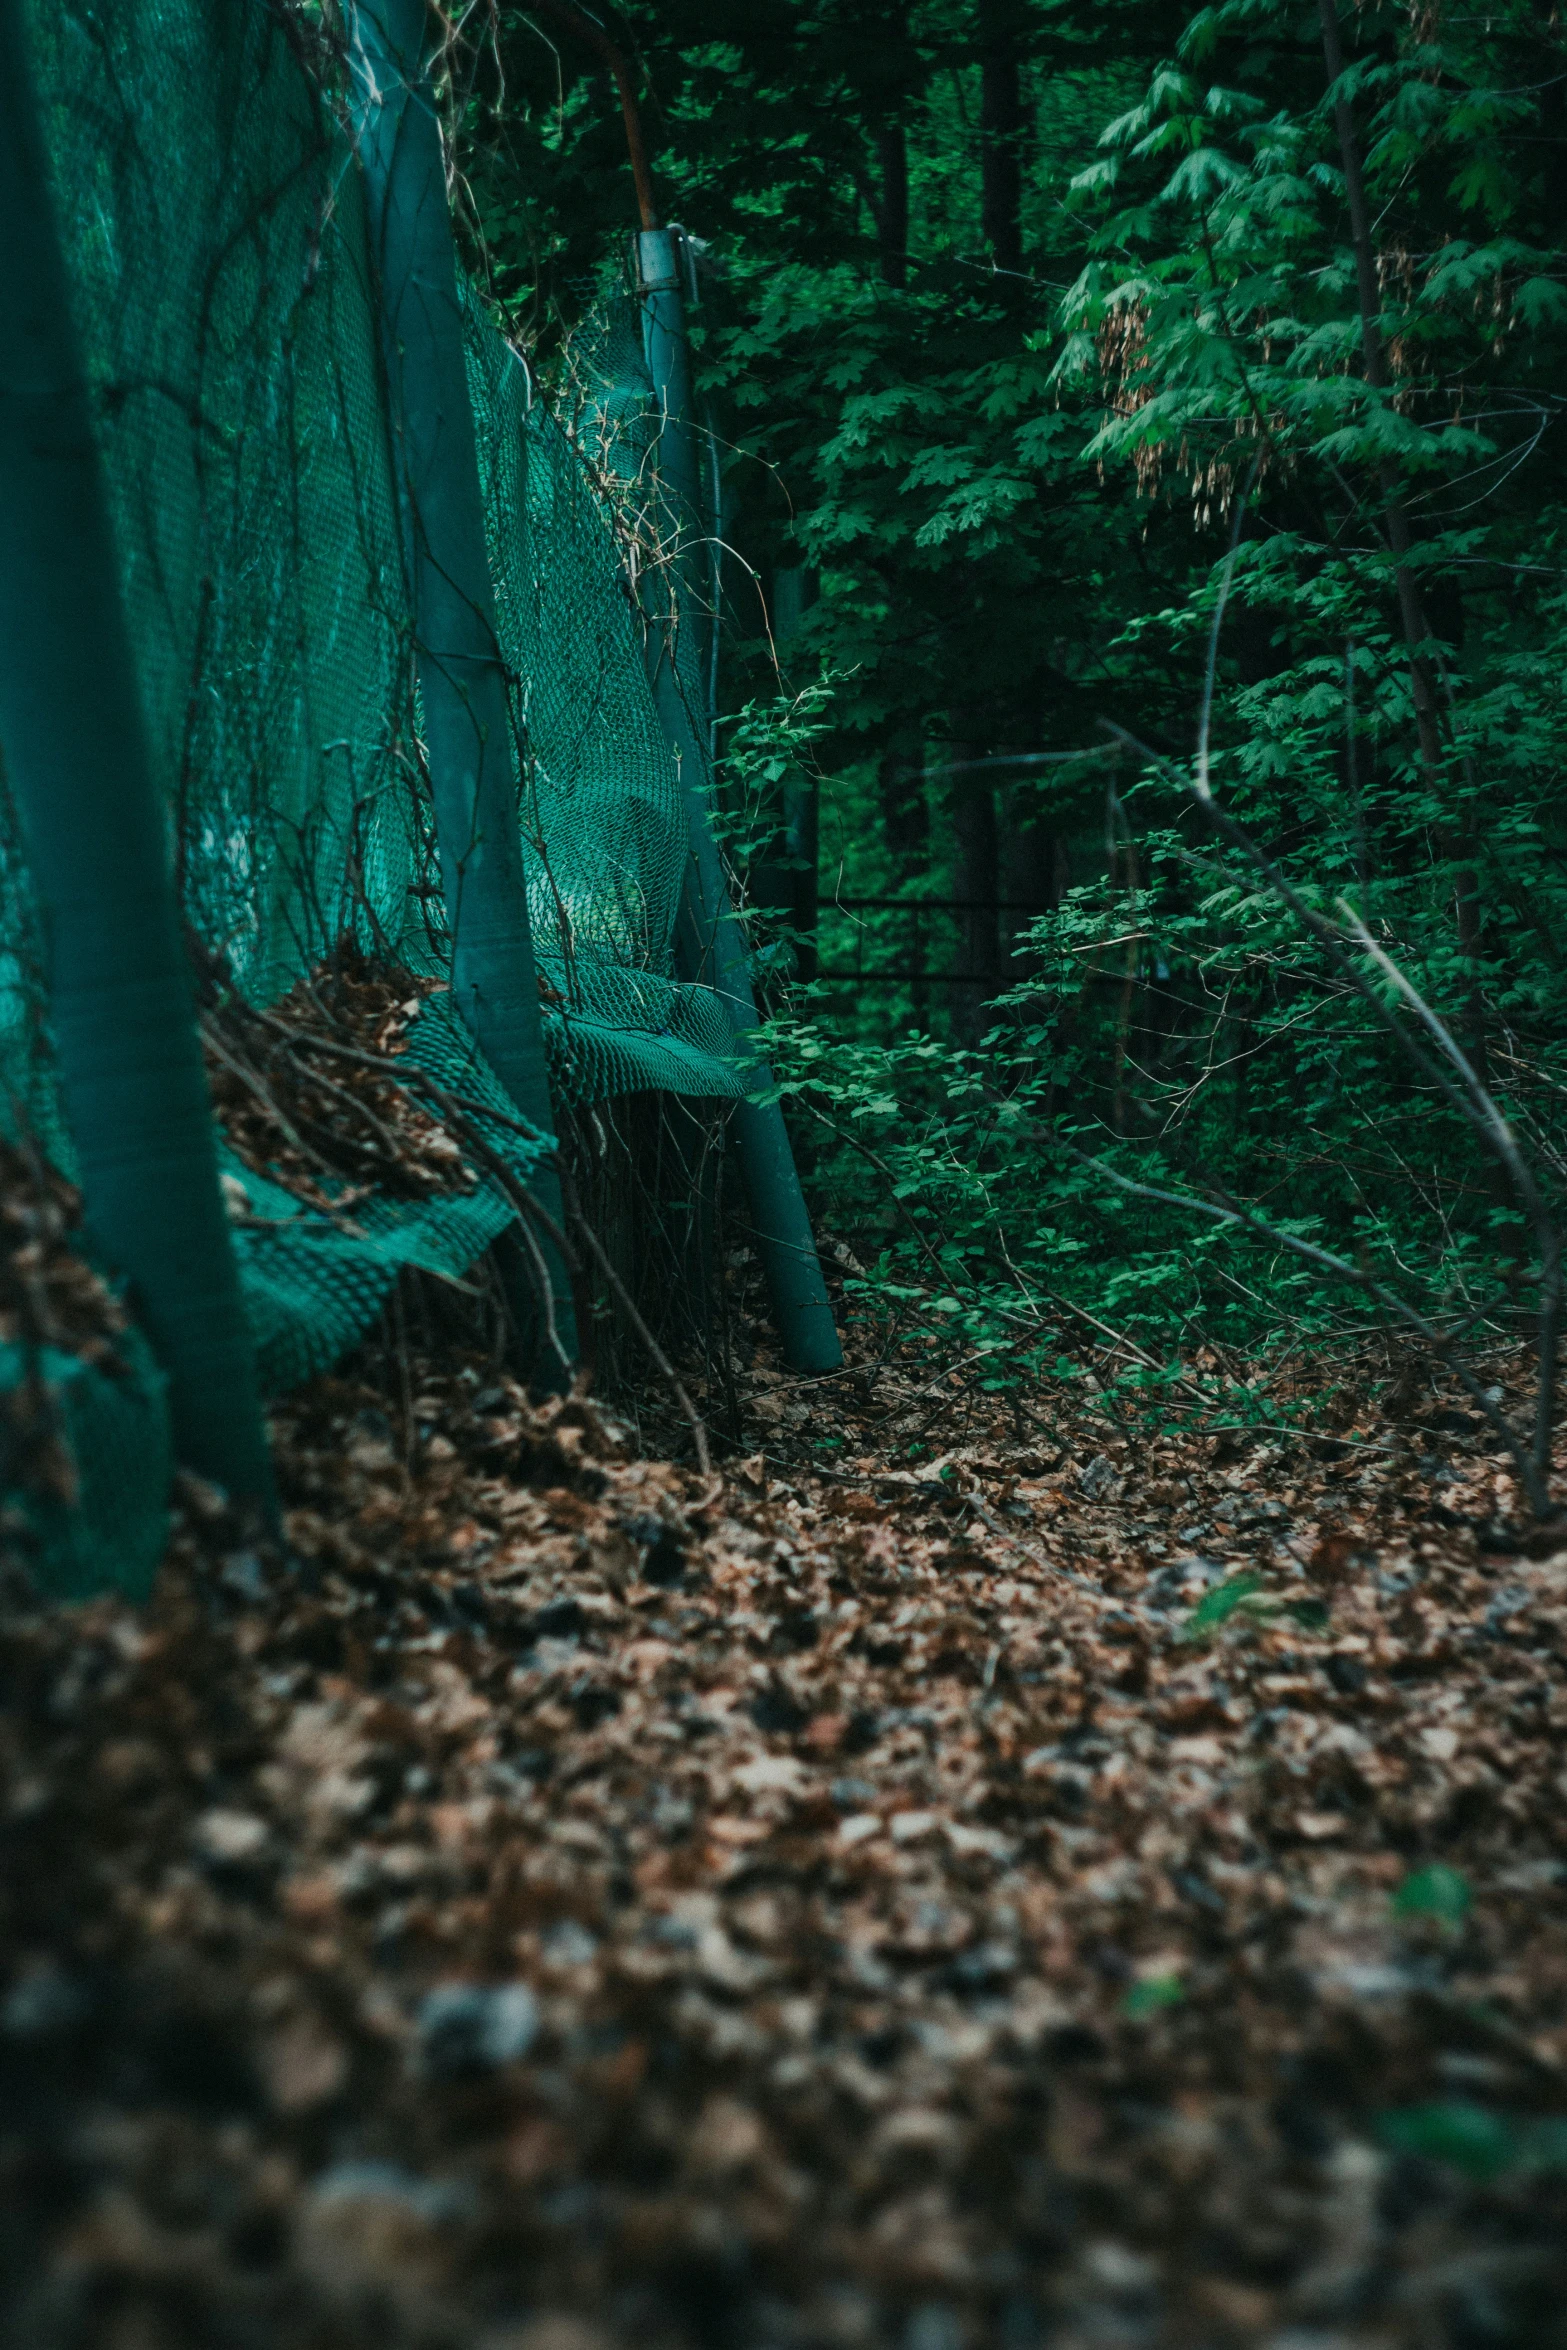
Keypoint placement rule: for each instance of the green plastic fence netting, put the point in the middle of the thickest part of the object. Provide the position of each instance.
(116, 1432)
(213, 220)
(314, 1283)
(603, 820)
(618, 424)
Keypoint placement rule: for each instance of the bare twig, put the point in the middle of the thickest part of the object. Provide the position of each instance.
(252, 1083)
(1226, 1210)
(1464, 1093)
(460, 1113)
(1323, 931)
(1504, 1143)
(610, 53)
(601, 1257)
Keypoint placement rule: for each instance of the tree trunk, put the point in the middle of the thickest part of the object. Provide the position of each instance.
(1412, 613)
(972, 801)
(892, 211)
(1029, 858)
(1001, 127)
(794, 592)
(1374, 362)
(905, 811)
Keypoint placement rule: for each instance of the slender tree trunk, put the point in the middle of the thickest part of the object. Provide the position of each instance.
(1001, 127)
(1028, 858)
(1411, 607)
(975, 851)
(785, 878)
(1350, 765)
(905, 820)
(1553, 112)
(1126, 1001)
(794, 592)
(802, 845)
(1374, 362)
(892, 211)
(905, 811)
(886, 96)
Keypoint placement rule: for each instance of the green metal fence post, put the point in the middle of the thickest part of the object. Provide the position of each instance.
(711, 944)
(462, 677)
(94, 823)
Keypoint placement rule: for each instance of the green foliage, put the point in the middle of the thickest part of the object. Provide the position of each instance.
(1019, 494)
(1152, 1996)
(1472, 2138)
(1438, 1893)
(768, 746)
(1220, 1604)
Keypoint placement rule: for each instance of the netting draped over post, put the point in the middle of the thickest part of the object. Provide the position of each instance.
(213, 219)
(643, 418)
(121, 997)
(603, 816)
(462, 683)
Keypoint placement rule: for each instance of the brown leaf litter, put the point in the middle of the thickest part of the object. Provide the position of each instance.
(306, 1094)
(586, 1904)
(51, 1297)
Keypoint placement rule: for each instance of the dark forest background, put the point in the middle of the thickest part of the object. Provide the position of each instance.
(1024, 323)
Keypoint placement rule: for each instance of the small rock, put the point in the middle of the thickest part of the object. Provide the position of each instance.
(374, 2227)
(1098, 1477)
(228, 1839)
(467, 2028)
(567, 1944)
(1119, 2271)
(852, 1794)
(44, 2005)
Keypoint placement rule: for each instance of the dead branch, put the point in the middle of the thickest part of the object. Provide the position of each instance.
(1226, 1210)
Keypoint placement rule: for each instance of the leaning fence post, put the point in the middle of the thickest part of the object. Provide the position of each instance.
(711, 943)
(462, 676)
(95, 828)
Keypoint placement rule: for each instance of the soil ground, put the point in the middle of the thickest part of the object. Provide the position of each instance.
(1099, 1884)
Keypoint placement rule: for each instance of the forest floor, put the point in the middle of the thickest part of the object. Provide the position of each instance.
(1100, 1886)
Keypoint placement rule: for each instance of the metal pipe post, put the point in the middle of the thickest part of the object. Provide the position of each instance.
(462, 676)
(94, 822)
(710, 943)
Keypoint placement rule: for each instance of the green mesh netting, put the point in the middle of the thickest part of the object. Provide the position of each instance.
(214, 225)
(116, 1431)
(314, 1283)
(603, 826)
(618, 421)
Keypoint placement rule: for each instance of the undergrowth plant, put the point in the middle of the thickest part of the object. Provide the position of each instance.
(1322, 278)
